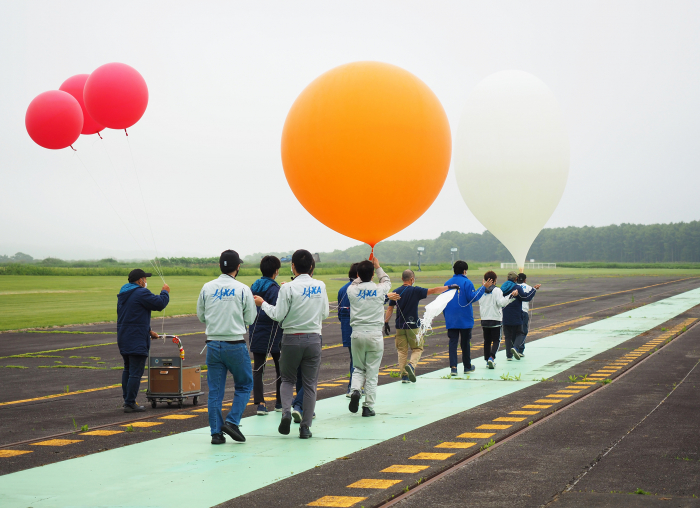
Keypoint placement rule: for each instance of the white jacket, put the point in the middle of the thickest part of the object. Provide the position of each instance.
(526, 305)
(302, 305)
(491, 305)
(367, 303)
(226, 306)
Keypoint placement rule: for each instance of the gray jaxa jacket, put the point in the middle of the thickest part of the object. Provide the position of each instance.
(226, 306)
(302, 305)
(367, 303)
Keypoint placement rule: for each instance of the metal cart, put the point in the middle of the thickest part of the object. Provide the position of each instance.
(169, 381)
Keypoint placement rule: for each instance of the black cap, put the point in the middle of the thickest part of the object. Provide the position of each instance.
(136, 274)
(229, 261)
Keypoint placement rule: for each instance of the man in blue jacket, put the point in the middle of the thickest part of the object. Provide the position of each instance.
(134, 306)
(265, 334)
(513, 315)
(459, 316)
(344, 317)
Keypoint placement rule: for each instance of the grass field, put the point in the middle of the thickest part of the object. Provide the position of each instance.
(33, 302)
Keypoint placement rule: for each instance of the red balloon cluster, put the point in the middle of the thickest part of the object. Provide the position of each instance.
(115, 96)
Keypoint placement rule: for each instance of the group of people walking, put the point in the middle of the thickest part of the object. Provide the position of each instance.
(285, 322)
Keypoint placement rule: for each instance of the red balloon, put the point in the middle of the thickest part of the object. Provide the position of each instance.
(116, 95)
(54, 119)
(74, 86)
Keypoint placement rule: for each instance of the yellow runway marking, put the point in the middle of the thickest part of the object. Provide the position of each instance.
(450, 444)
(203, 410)
(57, 442)
(476, 435)
(337, 501)
(432, 456)
(559, 396)
(177, 417)
(13, 453)
(536, 406)
(523, 412)
(568, 391)
(101, 432)
(508, 419)
(493, 426)
(373, 484)
(578, 388)
(548, 401)
(324, 384)
(399, 468)
(142, 424)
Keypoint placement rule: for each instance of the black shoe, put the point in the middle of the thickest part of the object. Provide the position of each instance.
(285, 424)
(133, 408)
(354, 401)
(218, 438)
(367, 411)
(304, 432)
(233, 432)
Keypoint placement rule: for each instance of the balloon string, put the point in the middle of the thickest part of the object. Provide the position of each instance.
(126, 132)
(73, 148)
(371, 254)
(99, 135)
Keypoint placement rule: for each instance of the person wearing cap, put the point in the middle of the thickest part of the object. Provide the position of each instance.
(302, 305)
(513, 315)
(134, 306)
(226, 306)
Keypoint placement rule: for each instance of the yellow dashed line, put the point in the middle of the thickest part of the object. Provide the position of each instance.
(57, 442)
(337, 501)
(551, 401)
(373, 484)
(536, 406)
(508, 419)
(451, 444)
(476, 435)
(101, 432)
(493, 426)
(399, 468)
(142, 424)
(13, 453)
(432, 456)
(177, 417)
(523, 412)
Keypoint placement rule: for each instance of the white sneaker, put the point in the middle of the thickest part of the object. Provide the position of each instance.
(296, 415)
(516, 355)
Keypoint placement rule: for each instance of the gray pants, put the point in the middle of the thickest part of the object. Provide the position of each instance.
(300, 351)
(367, 352)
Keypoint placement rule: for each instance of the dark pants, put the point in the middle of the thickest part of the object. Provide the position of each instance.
(514, 338)
(258, 371)
(131, 377)
(526, 330)
(492, 339)
(454, 336)
(300, 351)
(352, 368)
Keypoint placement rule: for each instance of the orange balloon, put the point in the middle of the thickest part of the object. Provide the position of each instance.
(366, 148)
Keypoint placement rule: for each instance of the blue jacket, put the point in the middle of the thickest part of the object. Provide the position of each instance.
(459, 312)
(265, 334)
(134, 306)
(513, 312)
(344, 314)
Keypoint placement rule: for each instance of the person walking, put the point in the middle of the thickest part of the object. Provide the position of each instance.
(407, 323)
(134, 306)
(302, 305)
(344, 317)
(459, 316)
(226, 307)
(513, 315)
(491, 312)
(265, 334)
(366, 299)
(522, 282)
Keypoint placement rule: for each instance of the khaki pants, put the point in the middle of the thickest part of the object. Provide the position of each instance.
(405, 339)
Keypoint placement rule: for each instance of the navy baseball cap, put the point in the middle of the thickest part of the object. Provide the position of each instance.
(229, 261)
(137, 274)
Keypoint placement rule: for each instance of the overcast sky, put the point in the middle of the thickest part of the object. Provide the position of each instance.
(223, 75)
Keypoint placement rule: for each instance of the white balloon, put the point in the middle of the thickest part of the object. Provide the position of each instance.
(512, 157)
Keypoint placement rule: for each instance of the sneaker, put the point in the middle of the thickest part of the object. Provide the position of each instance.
(472, 368)
(367, 411)
(218, 438)
(304, 432)
(509, 359)
(491, 363)
(349, 394)
(522, 355)
(133, 408)
(354, 401)
(453, 371)
(234, 433)
(296, 414)
(516, 355)
(285, 424)
(262, 410)
(411, 373)
(278, 407)
(404, 379)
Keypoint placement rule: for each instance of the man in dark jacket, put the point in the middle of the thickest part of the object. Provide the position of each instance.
(513, 315)
(134, 306)
(265, 334)
(344, 316)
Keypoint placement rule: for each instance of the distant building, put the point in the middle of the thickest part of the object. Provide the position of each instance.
(317, 258)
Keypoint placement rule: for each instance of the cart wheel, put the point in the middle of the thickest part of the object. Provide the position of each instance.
(153, 404)
(195, 401)
(170, 403)
(179, 404)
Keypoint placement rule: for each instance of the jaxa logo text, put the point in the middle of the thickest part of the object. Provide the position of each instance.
(366, 293)
(313, 290)
(221, 293)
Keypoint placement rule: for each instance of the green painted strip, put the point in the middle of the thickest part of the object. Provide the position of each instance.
(162, 466)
